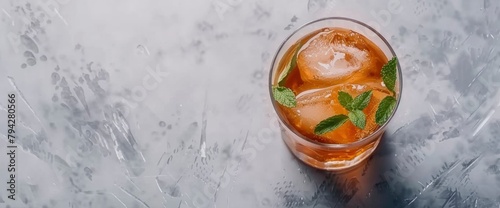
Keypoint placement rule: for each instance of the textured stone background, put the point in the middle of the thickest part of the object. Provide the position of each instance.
(128, 103)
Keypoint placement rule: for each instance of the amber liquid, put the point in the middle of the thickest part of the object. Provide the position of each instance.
(332, 60)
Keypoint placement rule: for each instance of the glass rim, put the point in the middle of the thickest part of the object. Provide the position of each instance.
(365, 140)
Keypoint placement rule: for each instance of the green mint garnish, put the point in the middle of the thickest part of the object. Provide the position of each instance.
(345, 100)
(289, 67)
(389, 74)
(358, 118)
(284, 96)
(385, 109)
(387, 105)
(330, 124)
(361, 101)
(354, 106)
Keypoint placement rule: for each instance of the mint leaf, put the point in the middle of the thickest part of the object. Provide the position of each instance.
(330, 124)
(389, 73)
(358, 118)
(289, 67)
(385, 109)
(284, 96)
(345, 100)
(361, 101)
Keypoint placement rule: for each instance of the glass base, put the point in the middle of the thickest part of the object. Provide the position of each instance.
(328, 158)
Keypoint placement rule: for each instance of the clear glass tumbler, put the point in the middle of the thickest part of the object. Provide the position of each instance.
(326, 156)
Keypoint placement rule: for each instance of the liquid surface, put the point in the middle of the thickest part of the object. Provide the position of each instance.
(332, 60)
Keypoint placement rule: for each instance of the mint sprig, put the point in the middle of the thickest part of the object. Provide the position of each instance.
(345, 100)
(289, 67)
(387, 105)
(361, 101)
(385, 109)
(355, 115)
(356, 105)
(389, 74)
(281, 94)
(330, 124)
(284, 96)
(358, 118)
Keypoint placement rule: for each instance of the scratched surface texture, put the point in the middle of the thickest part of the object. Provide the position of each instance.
(127, 103)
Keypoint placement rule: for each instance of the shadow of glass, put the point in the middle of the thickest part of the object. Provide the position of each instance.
(365, 185)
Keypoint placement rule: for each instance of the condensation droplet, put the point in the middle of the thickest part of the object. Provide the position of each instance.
(30, 58)
(162, 123)
(31, 61)
(28, 54)
(43, 58)
(23, 65)
(55, 78)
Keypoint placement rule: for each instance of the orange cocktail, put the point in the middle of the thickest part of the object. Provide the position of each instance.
(334, 88)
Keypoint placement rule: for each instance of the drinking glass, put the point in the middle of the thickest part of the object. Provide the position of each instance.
(327, 156)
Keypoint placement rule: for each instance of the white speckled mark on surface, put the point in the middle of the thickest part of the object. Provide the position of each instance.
(165, 104)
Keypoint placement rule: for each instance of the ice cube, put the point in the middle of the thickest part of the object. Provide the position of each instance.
(313, 106)
(335, 55)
